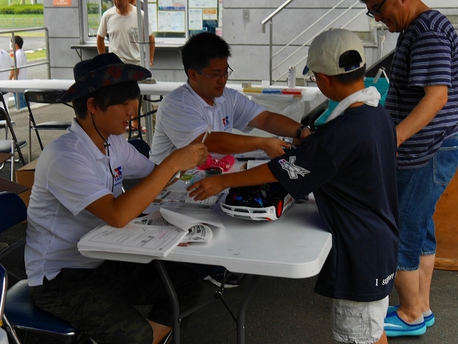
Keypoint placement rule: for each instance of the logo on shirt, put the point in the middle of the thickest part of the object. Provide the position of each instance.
(292, 169)
(117, 175)
(226, 122)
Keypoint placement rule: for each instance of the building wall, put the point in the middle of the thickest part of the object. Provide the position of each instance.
(243, 30)
(63, 25)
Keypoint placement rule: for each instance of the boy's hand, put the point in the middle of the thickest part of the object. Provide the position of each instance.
(205, 188)
(274, 146)
(190, 156)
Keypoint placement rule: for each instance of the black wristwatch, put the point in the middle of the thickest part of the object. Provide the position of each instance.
(299, 131)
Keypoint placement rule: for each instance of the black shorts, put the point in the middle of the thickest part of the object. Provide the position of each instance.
(99, 302)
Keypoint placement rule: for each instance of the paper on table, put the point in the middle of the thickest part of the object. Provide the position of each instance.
(254, 163)
(152, 235)
(198, 224)
(196, 231)
(135, 238)
(180, 199)
(257, 154)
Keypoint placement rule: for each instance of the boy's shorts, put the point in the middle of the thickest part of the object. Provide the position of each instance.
(358, 322)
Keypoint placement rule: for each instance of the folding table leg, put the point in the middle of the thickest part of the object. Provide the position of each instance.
(242, 308)
(174, 300)
(241, 312)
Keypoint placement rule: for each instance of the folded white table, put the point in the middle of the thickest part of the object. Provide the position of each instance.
(294, 246)
(148, 89)
(310, 98)
(158, 89)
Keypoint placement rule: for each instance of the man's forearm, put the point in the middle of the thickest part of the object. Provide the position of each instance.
(101, 45)
(434, 100)
(229, 143)
(276, 124)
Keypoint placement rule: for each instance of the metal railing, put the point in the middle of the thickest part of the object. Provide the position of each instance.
(328, 14)
(29, 65)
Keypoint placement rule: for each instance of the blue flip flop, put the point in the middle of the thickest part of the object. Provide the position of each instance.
(430, 319)
(396, 327)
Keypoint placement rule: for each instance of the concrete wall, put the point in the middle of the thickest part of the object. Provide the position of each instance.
(243, 30)
(63, 25)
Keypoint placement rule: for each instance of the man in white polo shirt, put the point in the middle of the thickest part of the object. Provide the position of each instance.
(185, 114)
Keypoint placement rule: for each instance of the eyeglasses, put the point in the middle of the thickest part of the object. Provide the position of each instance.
(375, 11)
(218, 76)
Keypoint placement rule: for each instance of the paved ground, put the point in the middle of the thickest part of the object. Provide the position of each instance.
(281, 310)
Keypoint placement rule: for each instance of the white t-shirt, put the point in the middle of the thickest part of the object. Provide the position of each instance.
(5, 62)
(123, 34)
(21, 60)
(183, 115)
(72, 173)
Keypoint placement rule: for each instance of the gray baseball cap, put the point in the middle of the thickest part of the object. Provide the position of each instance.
(326, 51)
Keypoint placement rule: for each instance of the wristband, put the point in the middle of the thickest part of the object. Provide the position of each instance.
(299, 131)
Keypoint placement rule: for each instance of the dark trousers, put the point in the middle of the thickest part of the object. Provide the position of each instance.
(99, 302)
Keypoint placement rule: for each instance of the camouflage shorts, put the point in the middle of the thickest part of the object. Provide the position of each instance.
(99, 301)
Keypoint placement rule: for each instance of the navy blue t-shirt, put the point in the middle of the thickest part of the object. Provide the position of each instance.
(426, 55)
(350, 166)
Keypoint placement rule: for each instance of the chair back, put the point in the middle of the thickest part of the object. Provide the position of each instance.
(4, 116)
(3, 289)
(43, 96)
(141, 146)
(2, 99)
(12, 210)
(5, 119)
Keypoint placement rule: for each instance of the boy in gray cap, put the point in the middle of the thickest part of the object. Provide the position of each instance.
(77, 187)
(349, 164)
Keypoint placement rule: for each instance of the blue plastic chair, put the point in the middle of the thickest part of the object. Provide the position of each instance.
(142, 146)
(20, 312)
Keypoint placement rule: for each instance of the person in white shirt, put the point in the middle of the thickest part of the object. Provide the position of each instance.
(5, 62)
(185, 114)
(120, 23)
(77, 187)
(19, 73)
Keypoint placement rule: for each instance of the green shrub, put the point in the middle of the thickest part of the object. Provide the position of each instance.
(93, 8)
(22, 9)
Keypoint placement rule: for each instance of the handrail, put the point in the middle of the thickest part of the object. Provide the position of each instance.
(323, 29)
(46, 62)
(269, 19)
(279, 9)
(309, 27)
(274, 13)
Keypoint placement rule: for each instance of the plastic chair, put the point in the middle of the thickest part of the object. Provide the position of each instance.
(20, 312)
(4, 335)
(4, 105)
(142, 146)
(12, 145)
(43, 97)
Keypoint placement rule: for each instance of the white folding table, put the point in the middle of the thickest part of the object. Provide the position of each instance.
(294, 246)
